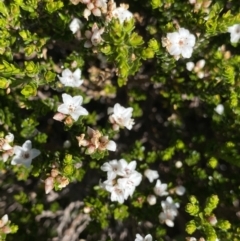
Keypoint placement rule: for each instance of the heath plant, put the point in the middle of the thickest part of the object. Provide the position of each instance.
(119, 120)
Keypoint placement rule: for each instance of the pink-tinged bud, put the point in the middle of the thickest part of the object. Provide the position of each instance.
(97, 12)
(151, 199)
(85, 1)
(86, 209)
(88, 34)
(54, 173)
(115, 127)
(91, 150)
(6, 230)
(69, 121)
(212, 220)
(100, 3)
(90, 6)
(87, 44)
(63, 182)
(86, 13)
(59, 116)
(82, 141)
(49, 184)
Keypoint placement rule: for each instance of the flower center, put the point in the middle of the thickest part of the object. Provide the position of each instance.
(71, 108)
(25, 155)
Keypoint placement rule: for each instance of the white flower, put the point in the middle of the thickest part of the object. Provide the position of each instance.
(169, 204)
(219, 109)
(146, 238)
(129, 183)
(72, 106)
(180, 190)
(117, 192)
(160, 188)
(121, 116)
(122, 179)
(72, 79)
(234, 33)
(151, 175)
(169, 212)
(126, 169)
(167, 217)
(94, 36)
(122, 14)
(24, 154)
(112, 169)
(180, 43)
(75, 25)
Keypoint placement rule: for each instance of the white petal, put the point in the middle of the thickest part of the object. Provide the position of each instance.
(148, 237)
(4, 219)
(9, 137)
(169, 223)
(27, 145)
(6, 147)
(17, 150)
(174, 50)
(16, 160)
(187, 52)
(77, 100)
(139, 237)
(67, 99)
(77, 73)
(111, 146)
(63, 108)
(66, 73)
(34, 153)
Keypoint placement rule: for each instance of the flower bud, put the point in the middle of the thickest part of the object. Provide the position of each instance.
(54, 173)
(151, 199)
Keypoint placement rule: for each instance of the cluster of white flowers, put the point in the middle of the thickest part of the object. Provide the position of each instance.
(234, 33)
(71, 107)
(99, 8)
(121, 117)
(169, 212)
(96, 141)
(72, 79)
(180, 43)
(4, 225)
(146, 238)
(197, 68)
(122, 179)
